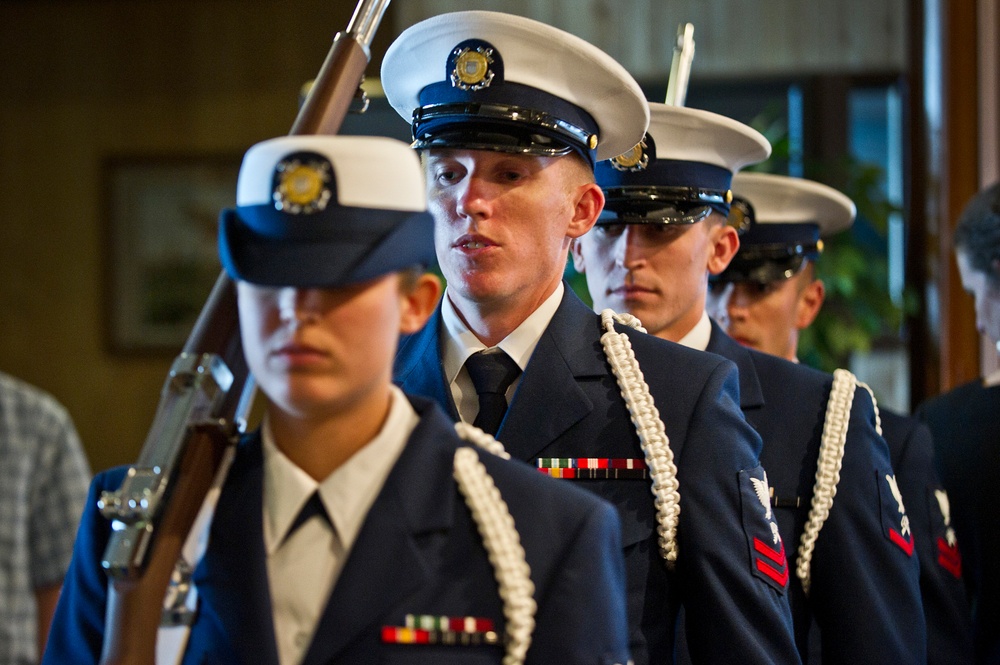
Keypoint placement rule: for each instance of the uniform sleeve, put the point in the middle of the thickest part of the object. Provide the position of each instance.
(731, 611)
(58, 492)
(946, 606)
(865, 576)
(582, 618)
(76, 636)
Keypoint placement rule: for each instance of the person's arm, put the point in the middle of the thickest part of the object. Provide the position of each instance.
(865, 575)
(946, 605)
(582, 618)
(732, 611)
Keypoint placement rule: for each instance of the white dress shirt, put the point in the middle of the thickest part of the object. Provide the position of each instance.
(460, 343)
(698, 337)
(302, 569)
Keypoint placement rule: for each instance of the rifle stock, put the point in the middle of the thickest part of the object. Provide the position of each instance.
(202, 408)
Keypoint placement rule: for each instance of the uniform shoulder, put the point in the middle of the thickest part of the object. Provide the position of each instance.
(28, 398)
(781, 367)
(652, 348)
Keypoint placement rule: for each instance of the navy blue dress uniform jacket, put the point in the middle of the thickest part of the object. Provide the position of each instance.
(418, 552)
(946, 605)
(865, 593)
(569, 405)
(965, 425)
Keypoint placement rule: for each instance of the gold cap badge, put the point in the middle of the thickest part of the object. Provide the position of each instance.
(301, 188)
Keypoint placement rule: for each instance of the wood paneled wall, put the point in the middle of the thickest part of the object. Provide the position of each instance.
(82, 81)
(748, 37)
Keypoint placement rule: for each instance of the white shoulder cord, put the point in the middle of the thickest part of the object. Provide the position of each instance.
(480, 439)
(503, 545)
(649, 427)
(878, 418)
(829, 463)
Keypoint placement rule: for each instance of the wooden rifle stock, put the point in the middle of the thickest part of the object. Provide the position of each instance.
(202, 409)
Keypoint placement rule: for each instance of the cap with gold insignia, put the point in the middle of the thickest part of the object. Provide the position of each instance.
(682, 169)
(485, 80)
(790, 216)
(314, 211)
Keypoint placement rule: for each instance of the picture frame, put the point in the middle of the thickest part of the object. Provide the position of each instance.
(162, 261)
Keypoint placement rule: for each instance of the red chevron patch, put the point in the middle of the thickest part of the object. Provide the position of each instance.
(778, 573)
(949, 557)
(904, 544)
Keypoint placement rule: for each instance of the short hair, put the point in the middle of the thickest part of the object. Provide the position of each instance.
(977, 234)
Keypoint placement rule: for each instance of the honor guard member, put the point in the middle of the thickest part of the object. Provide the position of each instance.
(967, 431)
(765, 297)
(356, 526)
(509, 116)
(663, 232)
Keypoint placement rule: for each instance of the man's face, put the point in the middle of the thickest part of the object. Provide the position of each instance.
(503, 223)
(657, 272)
(765, 317)
(986, 293)
(315, 351)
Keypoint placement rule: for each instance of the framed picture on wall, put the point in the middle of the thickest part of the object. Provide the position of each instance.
(162, 214)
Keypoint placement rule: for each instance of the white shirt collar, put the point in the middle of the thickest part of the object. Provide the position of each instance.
(348, 492)
(460, 343)
(697, 338)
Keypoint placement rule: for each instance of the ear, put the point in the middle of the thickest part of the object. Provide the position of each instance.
(810, 301)
(725, 243)
(587, 206)
(418, 303)
(576, 251)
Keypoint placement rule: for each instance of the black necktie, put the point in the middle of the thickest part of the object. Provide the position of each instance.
(492, 371)
(314, 506)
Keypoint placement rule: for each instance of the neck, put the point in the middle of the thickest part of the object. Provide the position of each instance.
(675, 331)
(319, 443)
(492, 321)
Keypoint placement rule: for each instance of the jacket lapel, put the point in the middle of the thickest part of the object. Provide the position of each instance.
(389, 560)
(418, 369)
(233, 580)
(549, 400)
(751, 393)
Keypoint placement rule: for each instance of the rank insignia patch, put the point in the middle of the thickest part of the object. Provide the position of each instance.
(949, 557)
(768, 560)
(473, 65)
(301, 184)
(430, 629)
(895, 521)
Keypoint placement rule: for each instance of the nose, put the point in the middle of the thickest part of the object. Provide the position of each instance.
(298, 305)
(735, 299)
(629, 248)
(472, 198)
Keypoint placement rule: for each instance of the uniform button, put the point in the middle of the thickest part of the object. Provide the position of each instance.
(302, 640)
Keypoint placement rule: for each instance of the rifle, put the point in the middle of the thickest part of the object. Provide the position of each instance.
(680, 66)
(202, 412)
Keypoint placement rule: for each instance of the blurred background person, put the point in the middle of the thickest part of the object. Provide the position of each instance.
(965, 423)
(44, 476)
(767, 296)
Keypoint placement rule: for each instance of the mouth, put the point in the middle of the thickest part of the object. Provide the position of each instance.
(297, 353)
(631, 291)
(472, 243)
